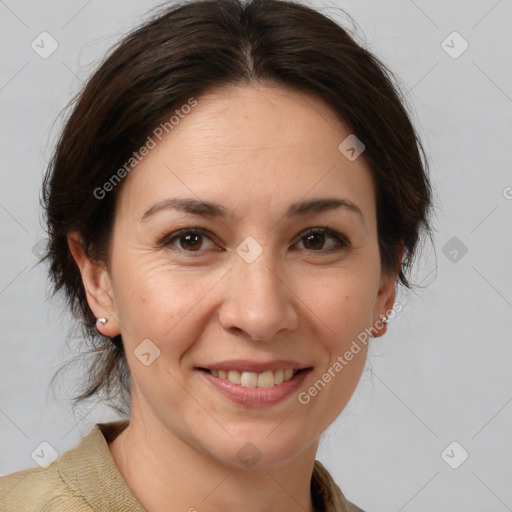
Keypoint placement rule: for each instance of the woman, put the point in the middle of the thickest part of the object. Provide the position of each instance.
(231, 205)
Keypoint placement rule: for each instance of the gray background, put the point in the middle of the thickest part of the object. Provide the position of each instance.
(441, 374)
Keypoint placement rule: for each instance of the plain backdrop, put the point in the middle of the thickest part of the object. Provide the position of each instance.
(438, 387)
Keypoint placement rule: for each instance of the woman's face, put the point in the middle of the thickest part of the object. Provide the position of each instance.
(242, 283)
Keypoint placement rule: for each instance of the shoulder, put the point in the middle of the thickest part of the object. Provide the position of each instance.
(82, 479)
(39, 489)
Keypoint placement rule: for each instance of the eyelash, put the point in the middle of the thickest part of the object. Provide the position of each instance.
(342, 241)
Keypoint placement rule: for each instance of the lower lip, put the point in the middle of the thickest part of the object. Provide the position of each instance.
(256, 397)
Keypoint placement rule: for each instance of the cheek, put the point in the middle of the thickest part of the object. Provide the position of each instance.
(342, 303)
(161, 305)
(159, 301)
(345, 311)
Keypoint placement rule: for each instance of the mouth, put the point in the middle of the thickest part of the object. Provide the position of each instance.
(255, 385)
(249, 379)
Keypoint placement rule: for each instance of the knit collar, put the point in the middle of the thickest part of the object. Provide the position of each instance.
(91, 471)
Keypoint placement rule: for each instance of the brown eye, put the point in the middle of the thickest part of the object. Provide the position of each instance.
(191, 242)
(315, 240)
(188, 240)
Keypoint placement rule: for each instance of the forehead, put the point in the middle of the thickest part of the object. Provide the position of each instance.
(249, 146)
(258, 120)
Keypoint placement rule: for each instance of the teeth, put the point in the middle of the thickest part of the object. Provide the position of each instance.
(234, 376)
(266, 379)
(249, 379)
(288, 374)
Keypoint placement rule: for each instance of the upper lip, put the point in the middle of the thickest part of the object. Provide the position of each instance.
(245, 365)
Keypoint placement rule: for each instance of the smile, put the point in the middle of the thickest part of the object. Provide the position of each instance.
(257, 388)
(247, 379)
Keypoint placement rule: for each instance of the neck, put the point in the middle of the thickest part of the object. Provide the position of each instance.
(166, 473)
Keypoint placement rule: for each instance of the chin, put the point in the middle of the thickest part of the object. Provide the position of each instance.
(259, 451)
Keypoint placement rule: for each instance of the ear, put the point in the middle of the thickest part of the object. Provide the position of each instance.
(97, 287)
(386, 295)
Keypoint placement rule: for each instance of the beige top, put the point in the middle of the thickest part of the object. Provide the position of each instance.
(86, 479)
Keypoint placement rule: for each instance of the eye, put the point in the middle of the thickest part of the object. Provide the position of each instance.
(189, 240)
(315, 239)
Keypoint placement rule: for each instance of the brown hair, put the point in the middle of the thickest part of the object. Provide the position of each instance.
(180, 53)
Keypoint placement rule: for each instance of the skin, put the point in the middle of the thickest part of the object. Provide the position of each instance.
(255, 150)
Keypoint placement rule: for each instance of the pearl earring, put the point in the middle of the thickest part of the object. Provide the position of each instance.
(102, 320)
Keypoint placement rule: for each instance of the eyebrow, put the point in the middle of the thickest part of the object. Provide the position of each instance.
(214, 210)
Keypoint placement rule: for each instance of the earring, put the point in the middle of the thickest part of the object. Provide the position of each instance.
(102, 320)
(384, 319)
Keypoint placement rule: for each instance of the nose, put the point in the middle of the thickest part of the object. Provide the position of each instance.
(258, 300)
